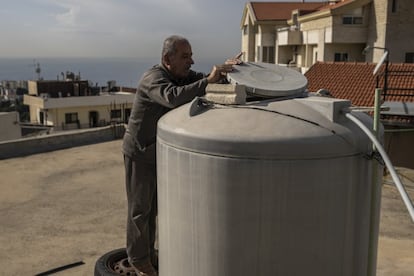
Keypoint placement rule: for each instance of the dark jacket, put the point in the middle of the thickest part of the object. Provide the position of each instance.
(158, 92)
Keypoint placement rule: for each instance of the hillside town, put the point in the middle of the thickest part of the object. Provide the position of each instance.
(333, 43)
(345, 49)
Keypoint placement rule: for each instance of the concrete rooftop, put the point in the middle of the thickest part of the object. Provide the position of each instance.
(67, 206)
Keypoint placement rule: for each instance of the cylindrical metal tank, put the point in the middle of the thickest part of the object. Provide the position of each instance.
(266, 188)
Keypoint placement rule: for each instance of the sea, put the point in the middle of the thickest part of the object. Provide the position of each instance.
(98, 71)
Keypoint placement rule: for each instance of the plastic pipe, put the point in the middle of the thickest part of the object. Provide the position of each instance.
(377, 107)
(388, 164)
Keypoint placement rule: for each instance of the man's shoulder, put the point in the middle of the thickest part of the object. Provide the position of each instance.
(155, 71)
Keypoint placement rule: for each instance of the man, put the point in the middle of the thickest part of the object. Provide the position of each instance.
(162, 88)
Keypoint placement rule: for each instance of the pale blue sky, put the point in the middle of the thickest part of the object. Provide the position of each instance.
(118, 28)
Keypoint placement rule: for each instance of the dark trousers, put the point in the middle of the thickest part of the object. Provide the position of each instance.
(141, 189)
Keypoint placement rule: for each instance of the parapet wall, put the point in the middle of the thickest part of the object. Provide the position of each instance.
(67, 139)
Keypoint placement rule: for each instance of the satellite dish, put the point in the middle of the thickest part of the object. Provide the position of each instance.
(383, 58)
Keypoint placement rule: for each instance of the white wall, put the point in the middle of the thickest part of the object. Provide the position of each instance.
(10, 128)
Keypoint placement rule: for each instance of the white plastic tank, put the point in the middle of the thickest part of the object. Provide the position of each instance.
(272, 187)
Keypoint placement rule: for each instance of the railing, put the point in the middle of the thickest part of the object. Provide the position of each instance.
(388, 75)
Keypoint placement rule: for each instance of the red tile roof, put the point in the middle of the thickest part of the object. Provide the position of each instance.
(339, 4)
(265, 11)
(356, 82)
(282, 10)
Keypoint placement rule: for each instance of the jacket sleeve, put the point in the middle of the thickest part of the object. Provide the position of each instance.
(168, 93)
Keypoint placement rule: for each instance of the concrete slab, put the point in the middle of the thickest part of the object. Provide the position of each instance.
(61, 207)
(67, 206)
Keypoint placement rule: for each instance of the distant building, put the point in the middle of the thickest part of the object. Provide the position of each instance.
(299, 34)
(71, 104)
(58, 89)
(11, 90)
(356, 82)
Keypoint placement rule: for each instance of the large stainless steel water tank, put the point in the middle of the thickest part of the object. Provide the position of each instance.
(266, 188)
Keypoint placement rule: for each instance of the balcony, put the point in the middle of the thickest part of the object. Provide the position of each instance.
(289, 36)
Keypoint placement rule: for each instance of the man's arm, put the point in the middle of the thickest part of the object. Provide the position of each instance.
(169, 94)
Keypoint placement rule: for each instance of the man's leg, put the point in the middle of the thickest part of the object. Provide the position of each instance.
(141, 191)
(152, 232)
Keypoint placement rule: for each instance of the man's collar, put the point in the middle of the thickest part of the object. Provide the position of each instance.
(169, 74)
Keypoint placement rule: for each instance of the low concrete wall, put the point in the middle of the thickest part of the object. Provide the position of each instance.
(56, 141)
(10, 128)
(399, 146)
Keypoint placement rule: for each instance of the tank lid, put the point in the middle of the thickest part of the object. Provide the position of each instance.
(268, 80)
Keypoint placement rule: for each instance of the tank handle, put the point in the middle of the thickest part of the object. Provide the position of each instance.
(198, 106)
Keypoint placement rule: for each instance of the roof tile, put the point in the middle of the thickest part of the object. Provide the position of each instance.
(282, 10)
(356, 82)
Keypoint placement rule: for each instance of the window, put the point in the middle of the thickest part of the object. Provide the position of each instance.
(42, 117)
(127, 114)
(71, 118)
(245, 30)
(341, 57)
(394, 6)
(269, 54)
(116, 114)
(409, 57)
(352, 20)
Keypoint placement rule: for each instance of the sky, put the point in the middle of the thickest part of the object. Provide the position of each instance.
(118, 28)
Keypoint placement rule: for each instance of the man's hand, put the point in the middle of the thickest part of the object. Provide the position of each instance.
(235, 60)
(218, 72)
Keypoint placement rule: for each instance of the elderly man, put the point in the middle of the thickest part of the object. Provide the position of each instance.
(162, 88)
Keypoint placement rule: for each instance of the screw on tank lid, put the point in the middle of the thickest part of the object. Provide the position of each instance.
(268, 80)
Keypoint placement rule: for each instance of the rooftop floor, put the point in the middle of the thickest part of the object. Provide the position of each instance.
(67, 206)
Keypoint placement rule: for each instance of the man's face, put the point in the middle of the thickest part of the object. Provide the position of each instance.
(180, 63)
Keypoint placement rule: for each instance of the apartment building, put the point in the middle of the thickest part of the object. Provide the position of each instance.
(299, 34)
(72, 104)
(11, 90)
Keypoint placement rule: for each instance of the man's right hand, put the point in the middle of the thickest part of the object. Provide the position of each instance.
(218, 72)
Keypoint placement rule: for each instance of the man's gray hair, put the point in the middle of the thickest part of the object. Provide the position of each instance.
(170, 44)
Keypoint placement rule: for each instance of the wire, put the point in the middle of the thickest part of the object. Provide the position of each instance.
(394, 175)
(61, 268)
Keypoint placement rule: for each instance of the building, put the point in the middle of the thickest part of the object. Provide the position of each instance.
(59, 89)
(356, 82)
(299, 34)
(72, 104)
(12, 90)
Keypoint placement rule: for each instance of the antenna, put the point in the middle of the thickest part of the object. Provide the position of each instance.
(37, 69)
